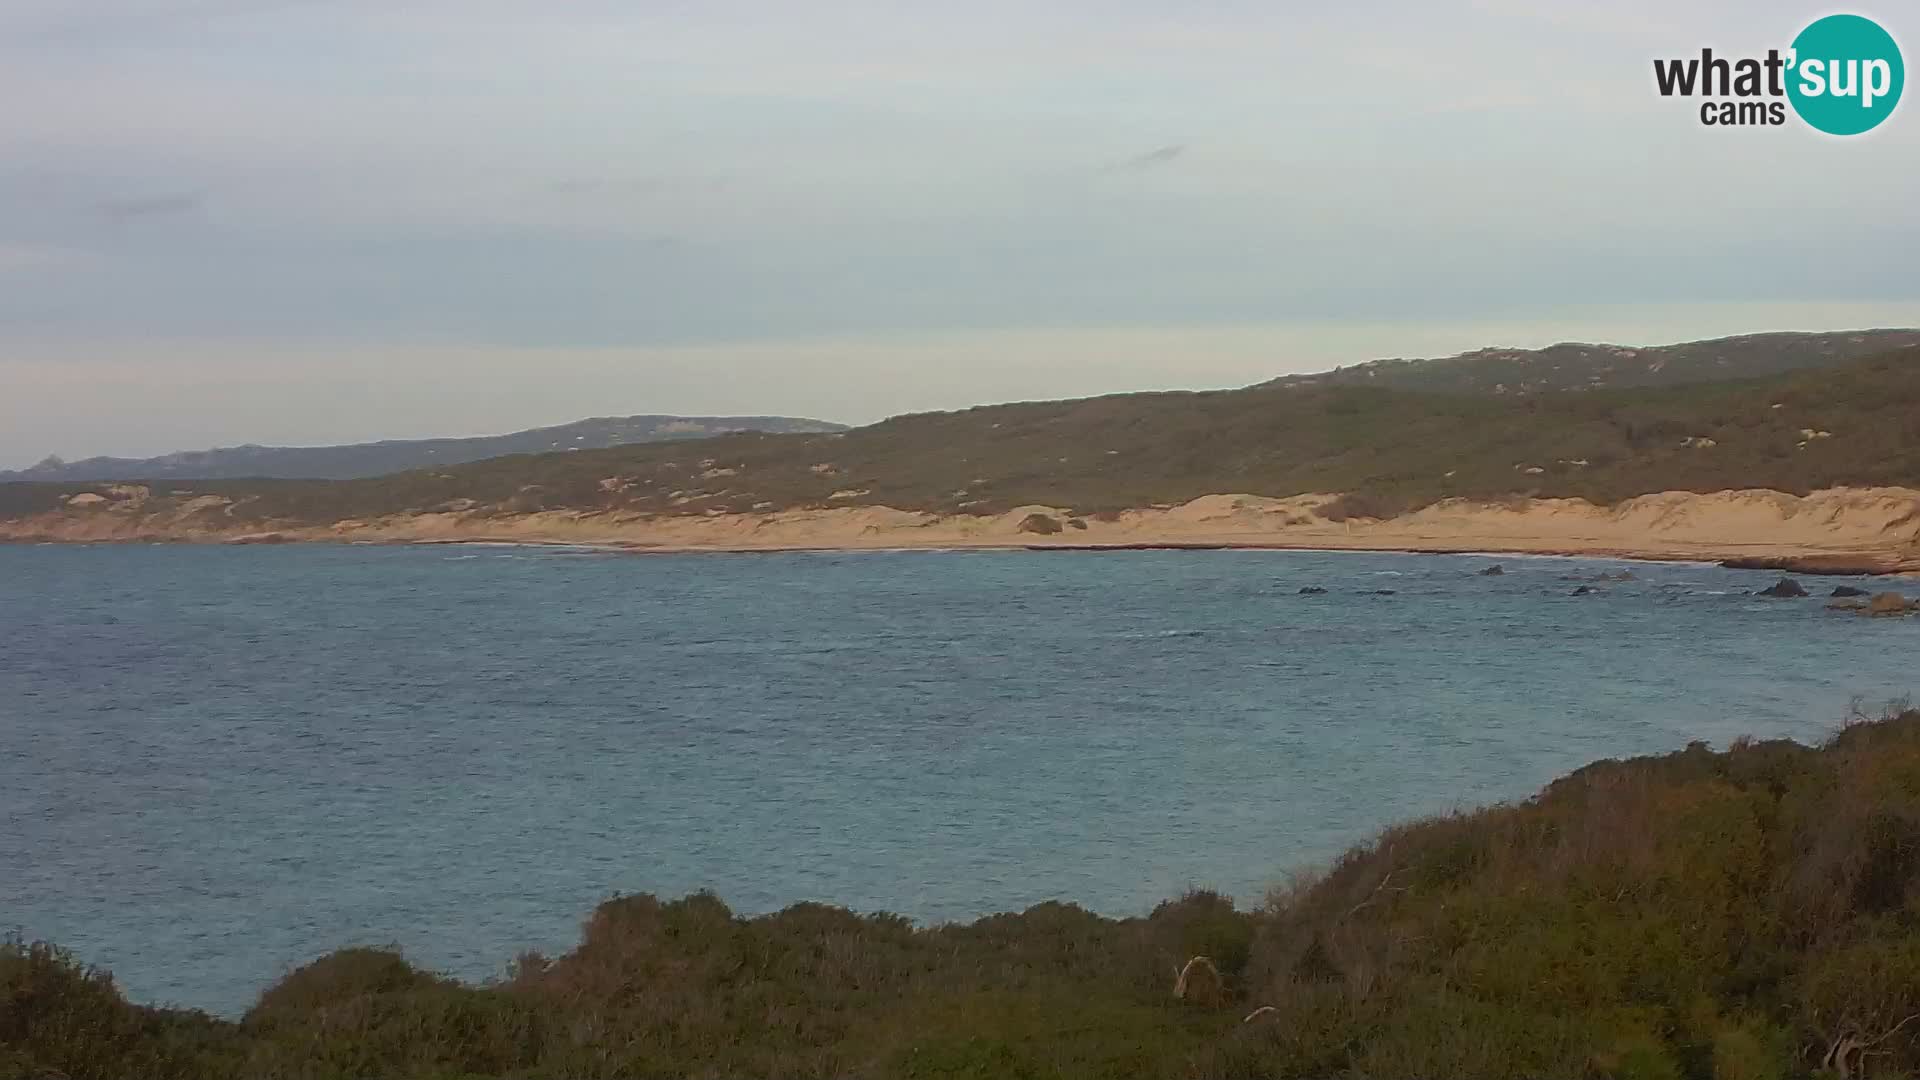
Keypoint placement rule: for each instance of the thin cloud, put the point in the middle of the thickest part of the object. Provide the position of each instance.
(1152, 159)
(68, 21)
(608, 185)
(150, 206)
(616, 189)
(23, 258)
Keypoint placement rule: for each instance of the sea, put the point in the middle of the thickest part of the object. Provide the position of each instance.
(221, 762)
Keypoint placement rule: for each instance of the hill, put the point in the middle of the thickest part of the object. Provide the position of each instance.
(1492, 371)
(1751, 914)
(1573, 366)
(1387, 450)
(379, 458)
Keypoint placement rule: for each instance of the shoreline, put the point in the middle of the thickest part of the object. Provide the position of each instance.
(1490, 550)
(1838, 531)
(1814, 558)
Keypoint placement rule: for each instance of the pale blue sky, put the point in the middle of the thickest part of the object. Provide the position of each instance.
(320, 220)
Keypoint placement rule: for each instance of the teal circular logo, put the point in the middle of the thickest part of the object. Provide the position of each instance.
(1845, 75)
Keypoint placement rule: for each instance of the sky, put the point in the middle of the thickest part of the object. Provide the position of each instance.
(314, 221)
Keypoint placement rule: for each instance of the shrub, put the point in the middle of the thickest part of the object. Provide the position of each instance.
(1751, 1051)
(60, 1018)
(1354, 506)
(340, 978)
(1204, 923)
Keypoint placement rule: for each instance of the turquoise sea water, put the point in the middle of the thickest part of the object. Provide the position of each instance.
(221, 762)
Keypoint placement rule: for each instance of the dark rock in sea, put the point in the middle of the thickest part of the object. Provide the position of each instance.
(1585, 590)
(1380, 592)
(1847, 590)
(1493, 571)
(1311, 590)
(1785, 587)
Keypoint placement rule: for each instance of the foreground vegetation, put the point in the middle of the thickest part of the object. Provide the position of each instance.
(1857, 424)
(1742, 915)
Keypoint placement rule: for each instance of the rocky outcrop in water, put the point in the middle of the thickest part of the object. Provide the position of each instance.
(1786, 587)
(1882, 605)
(1603, 576)
(1891, 603)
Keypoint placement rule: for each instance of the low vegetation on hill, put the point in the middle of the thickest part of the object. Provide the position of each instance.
(1577, 366)
(1391, 449)
(1752, 914)
(398, 455)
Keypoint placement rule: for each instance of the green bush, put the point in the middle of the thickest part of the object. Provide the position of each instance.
(60, 1018)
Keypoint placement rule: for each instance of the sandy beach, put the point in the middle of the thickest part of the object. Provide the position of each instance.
(1877, 528)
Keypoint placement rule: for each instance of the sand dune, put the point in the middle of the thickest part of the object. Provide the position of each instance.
(1877, 524)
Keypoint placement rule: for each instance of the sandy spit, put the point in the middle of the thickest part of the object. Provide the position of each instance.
(1877, 525)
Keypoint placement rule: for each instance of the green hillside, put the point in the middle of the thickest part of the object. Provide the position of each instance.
(1746, 915)
(1855, 424)
(1572, 366)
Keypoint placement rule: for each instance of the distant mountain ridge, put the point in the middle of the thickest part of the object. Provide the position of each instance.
(1576, 366)
(360, 460)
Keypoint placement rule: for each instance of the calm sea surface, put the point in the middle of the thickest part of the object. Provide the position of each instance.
(221, 762)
